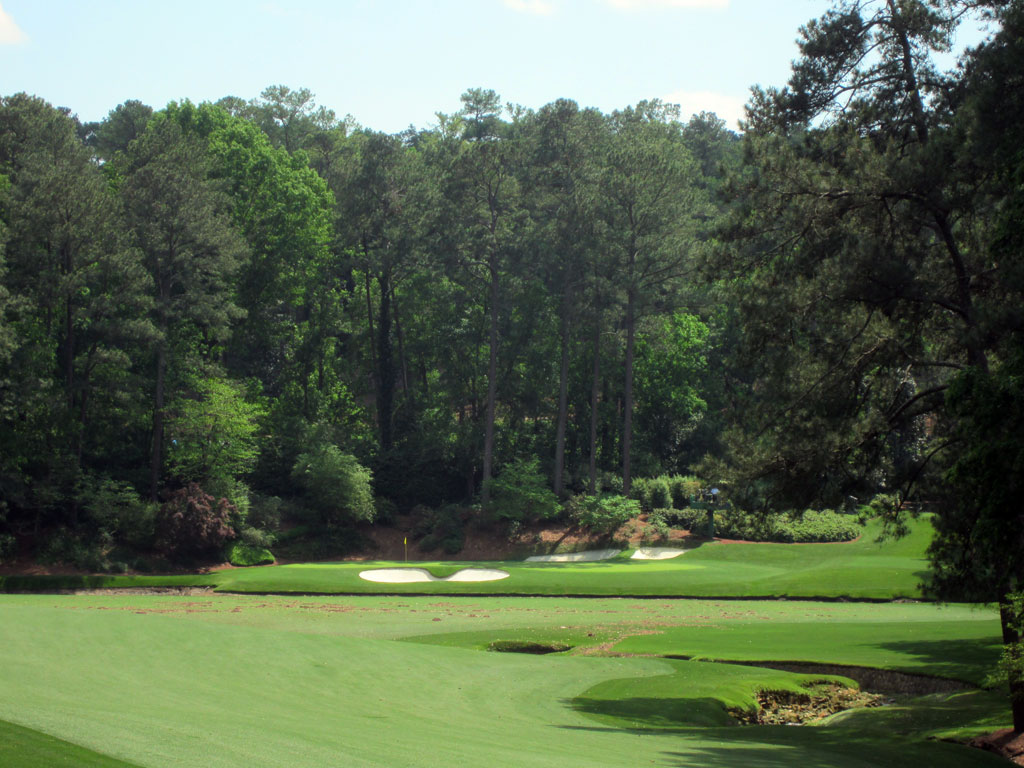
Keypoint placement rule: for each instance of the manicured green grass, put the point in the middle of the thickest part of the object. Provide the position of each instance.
(26, 748)
(233, 680)
(236, 679)
(863, 569)
(860, 569)
(959, 642)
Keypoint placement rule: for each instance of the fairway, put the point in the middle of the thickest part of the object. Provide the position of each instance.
(642, 677)
(233, 680)
(661, 407)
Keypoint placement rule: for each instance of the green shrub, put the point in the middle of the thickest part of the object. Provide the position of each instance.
(264, 512)
(658, 493)
(241, 554)
(665, 491)
(810, 527)
(520, 494)
(236, 492)
(256, 538)
(736, 524)
(115, 509)
(335, 485)
(823, 526)
(317, 543)
(609, 482)
(443, 528)
(638, 491)
(683, 488)
(657, 525)
(693, 520)
(682, 518)
(883, 504)
(87, 553)
(601, 514)
(7, 547)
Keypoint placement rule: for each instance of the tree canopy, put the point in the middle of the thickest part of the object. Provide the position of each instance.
(256, 302)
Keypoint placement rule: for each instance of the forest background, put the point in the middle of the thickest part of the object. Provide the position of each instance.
(216, 317)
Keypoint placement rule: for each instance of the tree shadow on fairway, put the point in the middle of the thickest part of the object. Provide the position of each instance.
(22, 747)
(927, 715)
(782, 746)
(646, 713)
(970, 660)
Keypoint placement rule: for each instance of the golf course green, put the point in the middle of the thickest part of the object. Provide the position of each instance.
(130, 678)
(861, 569)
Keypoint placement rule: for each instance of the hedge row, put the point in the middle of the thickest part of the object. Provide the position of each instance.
(811, 526)
(665, 492)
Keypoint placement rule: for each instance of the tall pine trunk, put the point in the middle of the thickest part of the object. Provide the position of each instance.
(1010, 622)
(627, 417)
(386, 379)
(372, 339)
(595, 394)
(492, 390)
(156, 455)
(403, 360)
(563, 392)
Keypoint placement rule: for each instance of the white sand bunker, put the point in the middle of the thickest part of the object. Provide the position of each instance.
(656, 553)
(411, 575)
(575, 557)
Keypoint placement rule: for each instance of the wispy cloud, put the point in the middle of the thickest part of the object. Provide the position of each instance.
(535, 7)
(729, 108)
(639, 5)
(10, 33)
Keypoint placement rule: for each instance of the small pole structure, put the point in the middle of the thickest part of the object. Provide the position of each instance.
(405, 543)
(712, 501)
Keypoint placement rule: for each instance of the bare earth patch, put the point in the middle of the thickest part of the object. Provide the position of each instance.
(790, 708)
(1006, 743)
(590, 556)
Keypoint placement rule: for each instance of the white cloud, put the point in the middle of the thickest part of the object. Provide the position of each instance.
(638, 5)
(535, 7)
(729, 108)
(10, 33)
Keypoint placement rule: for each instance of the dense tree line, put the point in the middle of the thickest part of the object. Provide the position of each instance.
(226, 308)
(204, 294)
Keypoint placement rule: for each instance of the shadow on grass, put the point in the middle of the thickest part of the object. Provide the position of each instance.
(782, 746)
(27, 748)
(970, 711)
(778, 746)
(50, 583)
(970, 660)
(643, 713)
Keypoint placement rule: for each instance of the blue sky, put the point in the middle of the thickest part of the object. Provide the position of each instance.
(393, 63)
